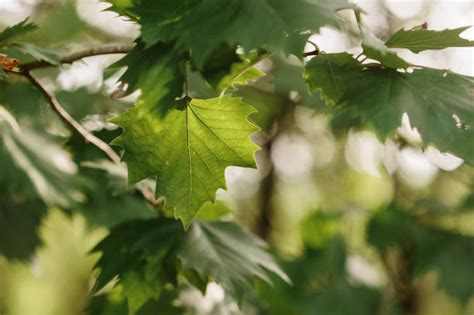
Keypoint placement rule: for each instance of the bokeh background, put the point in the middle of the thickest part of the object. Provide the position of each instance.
(313, 189)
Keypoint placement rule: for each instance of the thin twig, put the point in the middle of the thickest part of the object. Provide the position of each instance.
(78, 56)
(70, 121)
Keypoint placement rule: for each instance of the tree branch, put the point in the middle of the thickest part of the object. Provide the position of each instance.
(73, 124)
(78, 56)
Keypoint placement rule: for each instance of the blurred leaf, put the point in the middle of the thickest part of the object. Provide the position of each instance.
(375, 48)
(418, 40)
(59, 281)
(431, 98)
(450, 254)
(201, 26)
(138, 249)
(114, 303)
(151, 250)
(344, 299)
(47, 164)
(39, 53)
(10, 34)
(288, 78)
(320, 286)
(319, 227)
(233, 256)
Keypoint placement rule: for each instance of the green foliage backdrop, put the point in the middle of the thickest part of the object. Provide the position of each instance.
(224, 167)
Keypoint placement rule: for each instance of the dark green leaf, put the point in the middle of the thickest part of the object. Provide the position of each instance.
(158, 72)
(439, 103)
(48, 166)
(149, 252)
(201, 26)
(449, 253)
(418, 40)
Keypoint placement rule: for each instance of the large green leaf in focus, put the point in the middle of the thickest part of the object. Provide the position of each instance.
(439, 103)
(188, 150)
(152, 250)
(418, 40)
(201, 26)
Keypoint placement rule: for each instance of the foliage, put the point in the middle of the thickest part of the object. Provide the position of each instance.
(215, 115)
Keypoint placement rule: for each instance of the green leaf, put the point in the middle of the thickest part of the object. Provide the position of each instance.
(201, 26)
(8, 35)
(418, 40)
(138, 291)
(242, 73)
(156, 71)
(188, 150)
(48, 166)
(39, 53)
(327, 73)
(438, 102)
(213, 211)
(149, 252)
(374, 48)
(232, 256)
(219, 63)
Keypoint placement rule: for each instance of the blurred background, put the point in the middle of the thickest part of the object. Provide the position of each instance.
(316, 196)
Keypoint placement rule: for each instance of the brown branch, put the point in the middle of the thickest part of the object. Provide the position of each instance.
(73, 124)
(78, 56)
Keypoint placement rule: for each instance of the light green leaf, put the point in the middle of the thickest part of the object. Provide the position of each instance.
(138, 291)
(439, 103)
(8, 35)
(188, 150)
(213, 211)
(418, 40)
